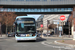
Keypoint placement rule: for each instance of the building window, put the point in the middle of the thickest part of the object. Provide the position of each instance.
(55, 9)
(62, 9)
(59, 9)
(69, 9)
(51, 9)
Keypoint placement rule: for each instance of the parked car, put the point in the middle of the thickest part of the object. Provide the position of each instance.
(44, 35)
(48, 34)
(39, 35)
(11, 34)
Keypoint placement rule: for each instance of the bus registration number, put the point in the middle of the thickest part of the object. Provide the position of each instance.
(23, 35)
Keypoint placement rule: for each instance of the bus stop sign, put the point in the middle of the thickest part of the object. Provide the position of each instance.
(62, 17)
(60, 28)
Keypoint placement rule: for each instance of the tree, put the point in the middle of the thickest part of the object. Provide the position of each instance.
(8, 19)
(0, 17)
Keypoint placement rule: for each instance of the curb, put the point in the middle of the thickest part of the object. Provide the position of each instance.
(65, 44)
(3, 36)
(56, 37)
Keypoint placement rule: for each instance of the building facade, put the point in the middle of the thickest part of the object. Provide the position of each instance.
(51, 19)
(39, 22)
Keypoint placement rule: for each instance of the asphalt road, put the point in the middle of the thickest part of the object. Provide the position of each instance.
(40, 44)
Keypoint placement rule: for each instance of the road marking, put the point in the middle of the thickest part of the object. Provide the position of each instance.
(64, 47)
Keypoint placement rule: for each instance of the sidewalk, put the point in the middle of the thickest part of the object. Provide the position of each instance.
(70, 43)
(55, 36)
(71, 36)
(67, 42)
(3, 36)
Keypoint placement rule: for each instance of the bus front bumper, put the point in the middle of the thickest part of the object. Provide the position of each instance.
(26, 38)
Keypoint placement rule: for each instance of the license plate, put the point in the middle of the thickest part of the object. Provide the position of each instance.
(22, 35)
(9, 35)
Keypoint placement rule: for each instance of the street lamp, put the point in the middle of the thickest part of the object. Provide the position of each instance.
(69, 28)
(13, 26)
(47, 27)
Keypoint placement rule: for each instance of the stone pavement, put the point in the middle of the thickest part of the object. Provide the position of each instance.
(67, 41)
(3, 36)
(65, 36)
(56, 37)
(70, 43)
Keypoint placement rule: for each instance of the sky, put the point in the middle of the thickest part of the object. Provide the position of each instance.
(34, 15)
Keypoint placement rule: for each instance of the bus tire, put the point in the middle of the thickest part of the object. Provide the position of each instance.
(17, 41)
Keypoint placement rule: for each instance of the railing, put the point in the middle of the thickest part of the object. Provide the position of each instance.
(36, 9)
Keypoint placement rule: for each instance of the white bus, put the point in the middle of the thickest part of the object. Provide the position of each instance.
(25, 28)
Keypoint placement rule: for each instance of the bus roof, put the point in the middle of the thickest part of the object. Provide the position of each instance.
(25, 17)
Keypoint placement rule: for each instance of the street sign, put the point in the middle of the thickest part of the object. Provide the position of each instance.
(49, 31)
(62, 17)
(60, 28)
(41, 25)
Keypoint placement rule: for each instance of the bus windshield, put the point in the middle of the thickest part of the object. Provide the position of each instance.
(25, 27)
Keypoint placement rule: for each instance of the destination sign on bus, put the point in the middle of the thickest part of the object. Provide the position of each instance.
(25, 21)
